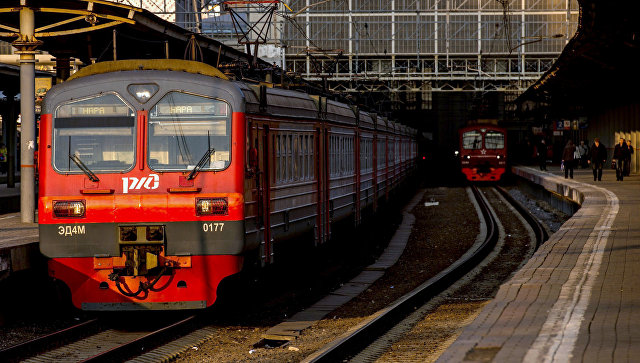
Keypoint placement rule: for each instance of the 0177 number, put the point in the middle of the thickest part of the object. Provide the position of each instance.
(213, 227)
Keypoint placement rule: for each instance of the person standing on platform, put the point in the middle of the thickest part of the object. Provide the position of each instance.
(627, 161)
(541, 153)
(598, 158)
(584, 152)
(620, 153)
(4, 158)
(568, 159)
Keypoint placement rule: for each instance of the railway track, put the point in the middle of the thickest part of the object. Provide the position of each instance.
(349, 346)
(48, 341)
(94, 341)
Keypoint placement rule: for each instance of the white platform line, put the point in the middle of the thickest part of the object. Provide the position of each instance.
(556, 341)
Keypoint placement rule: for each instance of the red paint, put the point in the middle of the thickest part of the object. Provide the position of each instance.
(143, 205)
(472, 174)
(202, 278)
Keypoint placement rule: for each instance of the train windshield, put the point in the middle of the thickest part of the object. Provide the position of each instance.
(472, 140)
(98, 130)
(494, 140)
(183, 128)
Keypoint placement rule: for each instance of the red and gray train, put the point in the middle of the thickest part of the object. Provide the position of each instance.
(483, 152)
(158, 178)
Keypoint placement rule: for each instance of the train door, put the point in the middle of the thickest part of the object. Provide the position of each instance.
(375, 171)
(358, 176)
(322, 204)
(264, 194)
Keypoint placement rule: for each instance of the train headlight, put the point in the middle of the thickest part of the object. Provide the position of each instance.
(212, 207)
(143, 92)
(499, 157)
(468, 157)
(69, 208)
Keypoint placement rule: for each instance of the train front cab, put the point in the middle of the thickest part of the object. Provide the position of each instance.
(141, 188)
(483, 153)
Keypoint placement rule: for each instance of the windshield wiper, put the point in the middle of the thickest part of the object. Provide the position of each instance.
(85, 169)
(200, 165)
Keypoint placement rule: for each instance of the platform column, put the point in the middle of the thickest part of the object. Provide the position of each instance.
(26, 45)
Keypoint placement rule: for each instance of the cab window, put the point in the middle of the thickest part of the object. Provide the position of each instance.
(472, 140)
(185, 128)
(99, 131)
(494, 140)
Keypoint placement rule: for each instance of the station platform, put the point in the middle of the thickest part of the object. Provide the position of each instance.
(18, 245)
(578, 297)
(9, 198)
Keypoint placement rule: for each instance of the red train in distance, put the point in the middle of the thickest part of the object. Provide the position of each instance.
(483, 152)
(158, 178)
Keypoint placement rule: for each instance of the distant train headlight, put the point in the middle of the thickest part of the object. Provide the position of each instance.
(69, 208)
(212, 207)
(499, 157)
(468, 157)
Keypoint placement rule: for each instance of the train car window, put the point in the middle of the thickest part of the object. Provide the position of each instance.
(494, 140)
(352, 165)
(304, 141)
(183, 127)
(381, 154)
(289, 158)
(301, 154)
(341, 155)
(472, 140)
(332, 155)
(276, 152)
(99, 130)
(311, 160)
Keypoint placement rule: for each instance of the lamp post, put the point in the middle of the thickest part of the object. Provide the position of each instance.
(536, 39)
(26, 45)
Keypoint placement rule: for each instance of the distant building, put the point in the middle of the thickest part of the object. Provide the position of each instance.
(407, 49)
(421, 47)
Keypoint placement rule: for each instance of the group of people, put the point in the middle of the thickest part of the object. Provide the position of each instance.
(596, 156)
(622, 158)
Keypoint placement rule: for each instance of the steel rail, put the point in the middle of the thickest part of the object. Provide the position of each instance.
(141, 344)
(538, 229)
(40, 344)
(59, 339)
(347, 347)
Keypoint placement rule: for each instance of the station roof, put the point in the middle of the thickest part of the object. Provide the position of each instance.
(84, 29)
(599, 63)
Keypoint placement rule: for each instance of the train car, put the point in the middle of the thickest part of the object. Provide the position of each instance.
(483, 152)
(159, 178)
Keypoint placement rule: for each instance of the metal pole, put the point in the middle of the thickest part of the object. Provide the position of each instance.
(28, 116)
(115, 48)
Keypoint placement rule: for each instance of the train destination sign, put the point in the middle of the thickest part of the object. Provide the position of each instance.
(85, 110)
(214, 108)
